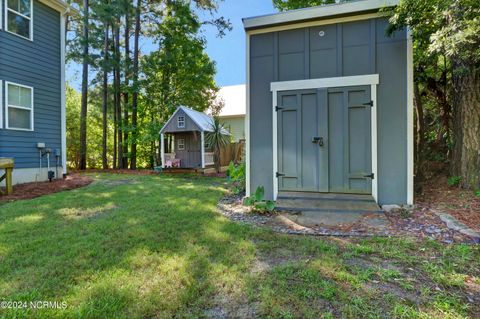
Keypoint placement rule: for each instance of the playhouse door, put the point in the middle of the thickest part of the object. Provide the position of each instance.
(324, 140)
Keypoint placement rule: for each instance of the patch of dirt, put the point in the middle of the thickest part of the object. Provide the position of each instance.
(423, 223)
(119, 182)
(412, 297)
(216, 175)
(37, 189)
(227, 306)
(460, 203)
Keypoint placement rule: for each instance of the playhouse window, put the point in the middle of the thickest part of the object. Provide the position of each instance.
(181, 122)
(181, 144)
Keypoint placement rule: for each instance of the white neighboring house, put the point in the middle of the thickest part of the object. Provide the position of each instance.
(233, 113)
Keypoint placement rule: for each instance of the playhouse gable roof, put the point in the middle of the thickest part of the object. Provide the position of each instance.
(203, 121)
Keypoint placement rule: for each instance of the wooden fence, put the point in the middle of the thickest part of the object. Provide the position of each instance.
(232, 152)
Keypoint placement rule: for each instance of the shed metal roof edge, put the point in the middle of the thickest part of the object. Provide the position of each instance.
(318, 12)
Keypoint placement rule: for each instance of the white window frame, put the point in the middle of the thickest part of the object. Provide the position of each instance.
(7, 106)
(181, 144)
(6, 9)
(181, 121)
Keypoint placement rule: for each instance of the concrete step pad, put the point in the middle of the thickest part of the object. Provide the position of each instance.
(325, 196)
(327, 203)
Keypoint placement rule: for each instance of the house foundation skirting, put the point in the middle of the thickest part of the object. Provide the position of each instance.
(28, 175)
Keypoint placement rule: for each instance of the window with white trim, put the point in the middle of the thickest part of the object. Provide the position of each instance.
(18, 18)
(181, 122)
(181, 144)
(18, 107)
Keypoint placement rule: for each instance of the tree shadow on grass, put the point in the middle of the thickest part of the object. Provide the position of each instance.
(122, 254)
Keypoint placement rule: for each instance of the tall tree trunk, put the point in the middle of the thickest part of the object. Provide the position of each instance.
(126, 104)
(133, 162)
(467, 125)
(216, 158)
(420, 138)
(118, 103)
(105, 100)
(115, 123)
(115, 119)
(83, 111)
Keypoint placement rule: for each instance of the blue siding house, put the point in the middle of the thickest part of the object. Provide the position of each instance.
(32, 87)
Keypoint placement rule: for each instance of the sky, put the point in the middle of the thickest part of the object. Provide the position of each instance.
(228, 52)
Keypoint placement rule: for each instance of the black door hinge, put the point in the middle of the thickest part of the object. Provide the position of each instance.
(372, 176)
(278, 108)
(279, 174)
(368, 103)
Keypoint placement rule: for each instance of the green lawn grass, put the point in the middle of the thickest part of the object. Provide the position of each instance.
(154, 247)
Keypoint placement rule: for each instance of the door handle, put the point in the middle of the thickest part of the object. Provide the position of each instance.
(320, 142)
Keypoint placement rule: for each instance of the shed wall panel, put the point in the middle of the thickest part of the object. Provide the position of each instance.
(262, 72)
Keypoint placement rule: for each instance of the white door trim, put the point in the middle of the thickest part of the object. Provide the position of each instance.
(247, 119)
(340, 81)
(361, 80)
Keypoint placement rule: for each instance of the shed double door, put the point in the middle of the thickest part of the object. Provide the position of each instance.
(324, 140)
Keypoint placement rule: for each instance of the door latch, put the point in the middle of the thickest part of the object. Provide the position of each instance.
(372, 176)
(318, 140)
(279, 174)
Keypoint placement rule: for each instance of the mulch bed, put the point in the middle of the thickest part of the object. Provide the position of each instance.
(146, 172)
(462, 204)
(37, 189)
(123, 171)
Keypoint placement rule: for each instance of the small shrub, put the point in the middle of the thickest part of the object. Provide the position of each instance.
(477, 193)
(236, 177)
(454, 180)
(257, 200)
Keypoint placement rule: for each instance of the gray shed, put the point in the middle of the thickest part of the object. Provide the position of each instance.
(330, 103)
(185, 136)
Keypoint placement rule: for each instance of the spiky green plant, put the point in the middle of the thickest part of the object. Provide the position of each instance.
(217, 139)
